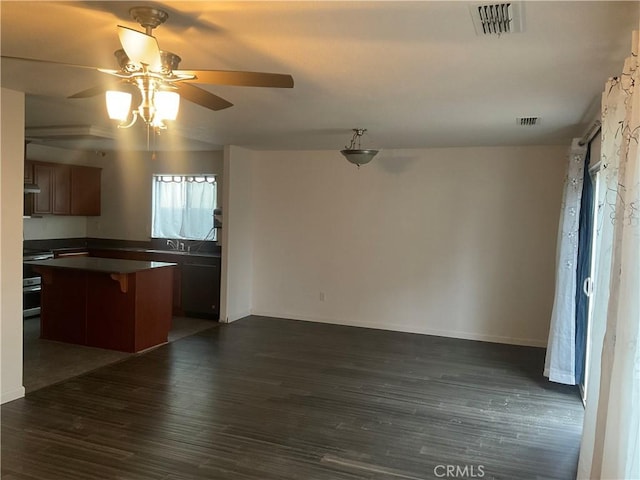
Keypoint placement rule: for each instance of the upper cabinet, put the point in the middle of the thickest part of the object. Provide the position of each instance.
(43, 177)
(64, 189)
(85, 190)
(28, 171)
(61, 187)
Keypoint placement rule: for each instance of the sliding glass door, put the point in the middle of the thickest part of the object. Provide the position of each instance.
(588, 283)
(593, 333)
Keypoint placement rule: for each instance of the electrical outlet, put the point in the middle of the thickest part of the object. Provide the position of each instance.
(322, 296)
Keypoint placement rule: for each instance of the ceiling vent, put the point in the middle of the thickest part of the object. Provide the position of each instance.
(528, 121)
(496, 18)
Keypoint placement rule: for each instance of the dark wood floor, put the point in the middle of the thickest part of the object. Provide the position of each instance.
(46, 362)
(270, 399)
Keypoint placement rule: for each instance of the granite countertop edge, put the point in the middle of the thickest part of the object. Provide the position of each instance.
(139, 249)
(101, 265)
(168, 252)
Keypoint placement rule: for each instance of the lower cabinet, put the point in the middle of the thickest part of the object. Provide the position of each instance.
(88, 303)
(196, 280)
(201, 290)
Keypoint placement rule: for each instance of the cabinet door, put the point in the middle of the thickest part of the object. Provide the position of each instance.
(28, 171)
(43, 177)
(28, 197)
(61, 189)
(201, 290)
(177, 290)
(85, 190)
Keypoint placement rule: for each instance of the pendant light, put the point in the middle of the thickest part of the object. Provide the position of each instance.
(354, 153)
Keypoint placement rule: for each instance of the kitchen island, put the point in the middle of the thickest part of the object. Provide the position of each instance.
(107, 303)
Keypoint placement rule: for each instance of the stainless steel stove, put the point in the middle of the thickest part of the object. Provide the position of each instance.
(31, 282)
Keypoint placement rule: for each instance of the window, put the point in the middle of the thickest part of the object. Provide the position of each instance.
(183, 207)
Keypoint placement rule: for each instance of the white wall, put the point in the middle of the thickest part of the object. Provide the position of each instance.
(455, 242)
(126, 189)
(237, 235)
(11, 182)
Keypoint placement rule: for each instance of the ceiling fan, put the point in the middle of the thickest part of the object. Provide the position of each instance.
(155, 76)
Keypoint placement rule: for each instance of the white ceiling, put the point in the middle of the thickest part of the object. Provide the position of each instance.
(415, 74)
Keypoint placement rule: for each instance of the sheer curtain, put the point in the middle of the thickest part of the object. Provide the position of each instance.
(183, 207)
(611, 436)
(561, 348)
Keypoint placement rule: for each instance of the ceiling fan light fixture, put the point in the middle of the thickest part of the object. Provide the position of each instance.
(354, 153)
(118, 105)
(167, 105)
(154, 78)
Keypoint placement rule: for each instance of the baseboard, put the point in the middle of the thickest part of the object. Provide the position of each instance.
(235, 317)
(526, 342)
(12, 395)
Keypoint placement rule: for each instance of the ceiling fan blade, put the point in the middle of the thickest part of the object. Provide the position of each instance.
(49, 62)
(89, 92)
(202, 97)
(97, 90)
(115, 73)
(241, 79)
(140, 47)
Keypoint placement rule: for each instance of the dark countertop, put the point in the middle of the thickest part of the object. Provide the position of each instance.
(103, 265)
(168, 252)
(155, 246)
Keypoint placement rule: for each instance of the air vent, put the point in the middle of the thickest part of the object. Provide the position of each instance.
(528, 121)
(496, 18)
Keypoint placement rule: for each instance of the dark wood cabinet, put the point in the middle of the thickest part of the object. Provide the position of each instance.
(28, 171)
(106, 303)
(28, 180)
(61, 189)
(43, 177)
(64, 189)
(85, 190)
(66, 300)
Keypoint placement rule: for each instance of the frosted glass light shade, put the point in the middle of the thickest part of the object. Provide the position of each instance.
(118, 104)
(141, 48)
(167, 105)
(359, 156)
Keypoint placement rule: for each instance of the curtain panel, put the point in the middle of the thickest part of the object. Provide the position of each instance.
(611, 436)
(183, 207)
(561, 347)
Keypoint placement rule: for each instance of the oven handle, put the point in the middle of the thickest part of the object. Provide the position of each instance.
(44, 256)
(32, 288)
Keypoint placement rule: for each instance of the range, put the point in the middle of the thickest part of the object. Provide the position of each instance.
(31, 282)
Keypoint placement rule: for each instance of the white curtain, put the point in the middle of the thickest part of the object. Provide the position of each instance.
(560, 360)
(183, 207)
(611, 437)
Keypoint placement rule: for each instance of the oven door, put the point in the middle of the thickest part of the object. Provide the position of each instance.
(31, 297)
(32, 283)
